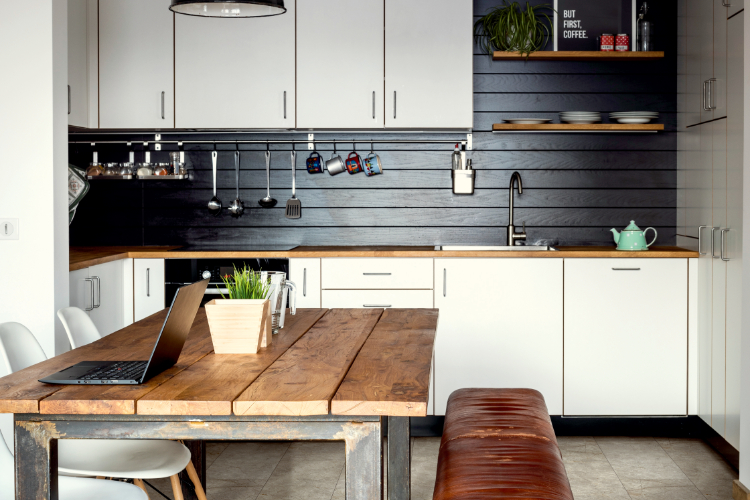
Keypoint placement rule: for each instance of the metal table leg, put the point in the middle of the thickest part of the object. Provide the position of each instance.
(399, 459)
(36, 461)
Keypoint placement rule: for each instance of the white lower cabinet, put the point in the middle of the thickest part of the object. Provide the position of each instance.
(626, 337)
(305, 273)
(398, 299)
(501, 325)
(148, 287)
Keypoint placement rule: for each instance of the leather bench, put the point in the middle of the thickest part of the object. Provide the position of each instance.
(500, 444)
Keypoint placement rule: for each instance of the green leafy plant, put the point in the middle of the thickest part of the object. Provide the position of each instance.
(245, 284)
(507, 28)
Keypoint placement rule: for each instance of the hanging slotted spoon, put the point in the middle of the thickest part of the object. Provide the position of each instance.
(293, 205)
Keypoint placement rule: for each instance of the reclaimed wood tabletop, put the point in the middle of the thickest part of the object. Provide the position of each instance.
(338, 361)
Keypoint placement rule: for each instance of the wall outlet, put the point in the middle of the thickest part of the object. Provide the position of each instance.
(8, 229)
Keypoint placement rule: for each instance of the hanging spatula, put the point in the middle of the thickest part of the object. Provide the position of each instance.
(293, 205)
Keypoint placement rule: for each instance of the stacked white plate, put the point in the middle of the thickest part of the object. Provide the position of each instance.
(580, 117)
(634, 116)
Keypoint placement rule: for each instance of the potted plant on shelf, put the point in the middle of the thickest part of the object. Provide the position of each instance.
(241, 322)
(507, 28)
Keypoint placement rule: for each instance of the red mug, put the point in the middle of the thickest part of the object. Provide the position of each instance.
(354, 163)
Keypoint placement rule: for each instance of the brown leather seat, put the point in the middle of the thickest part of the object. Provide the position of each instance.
(499, 443)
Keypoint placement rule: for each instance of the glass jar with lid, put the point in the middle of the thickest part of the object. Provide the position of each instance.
(178, 168)
(144, 169)
(163, 169)
(127, 168)
(95, 168)
(111, 168)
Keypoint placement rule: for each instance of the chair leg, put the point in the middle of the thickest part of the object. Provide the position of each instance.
(141, 485)
(193, 474)
(176, 487)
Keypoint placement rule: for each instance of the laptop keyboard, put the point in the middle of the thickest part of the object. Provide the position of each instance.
(122, 370)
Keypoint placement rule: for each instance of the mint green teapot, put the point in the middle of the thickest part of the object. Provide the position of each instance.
(632, 238)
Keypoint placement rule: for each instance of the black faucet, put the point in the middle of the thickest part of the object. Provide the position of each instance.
(512, 235)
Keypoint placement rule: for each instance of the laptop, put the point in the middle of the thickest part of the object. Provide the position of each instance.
(167, 350)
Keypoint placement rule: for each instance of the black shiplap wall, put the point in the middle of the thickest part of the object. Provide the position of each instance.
(576, 186)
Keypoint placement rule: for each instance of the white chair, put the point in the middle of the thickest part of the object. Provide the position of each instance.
(69, 488)
(78, 325)
(137, 459)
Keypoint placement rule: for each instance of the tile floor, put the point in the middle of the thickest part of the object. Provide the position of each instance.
(611, 468)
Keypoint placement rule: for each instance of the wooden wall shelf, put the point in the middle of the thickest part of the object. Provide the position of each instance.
(548, 55)
(579, 128)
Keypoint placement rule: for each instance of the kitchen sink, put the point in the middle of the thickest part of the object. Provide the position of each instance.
(470, 248)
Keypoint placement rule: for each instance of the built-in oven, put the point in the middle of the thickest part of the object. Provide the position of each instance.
(181, 272)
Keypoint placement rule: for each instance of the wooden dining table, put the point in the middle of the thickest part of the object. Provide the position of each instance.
(335, 375)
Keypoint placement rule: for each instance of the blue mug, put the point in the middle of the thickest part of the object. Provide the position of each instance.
(372, 165)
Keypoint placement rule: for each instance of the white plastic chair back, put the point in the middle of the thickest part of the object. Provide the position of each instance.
(78, 325)
(19, 348)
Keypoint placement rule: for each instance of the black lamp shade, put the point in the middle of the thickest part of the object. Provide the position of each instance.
(228, 8)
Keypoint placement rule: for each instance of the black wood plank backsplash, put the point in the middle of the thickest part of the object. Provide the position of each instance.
(576, 186)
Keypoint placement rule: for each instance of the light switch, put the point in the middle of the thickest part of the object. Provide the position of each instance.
(8, 229)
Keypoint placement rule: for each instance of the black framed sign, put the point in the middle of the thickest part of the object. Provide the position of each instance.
(578, 23)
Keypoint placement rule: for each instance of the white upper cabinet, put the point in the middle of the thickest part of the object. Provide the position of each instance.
(136, 64)
(235, 73)
(78, 75)
(340, 64)
(428, 64)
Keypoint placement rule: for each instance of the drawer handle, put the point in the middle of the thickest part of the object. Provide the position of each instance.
(376, 274)
(377, 305)
(626, 268)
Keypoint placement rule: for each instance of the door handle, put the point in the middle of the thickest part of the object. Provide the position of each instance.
(626, 268)
(713, 252)
(373, 104)
(162, 105)
(710, 99)
(376, 274)
(304, 282)
(91, 290)
(705, 84)
(700, 232)
(377, 305)
(723, 244)
(285, 104)
(98, 292)
(148, 282)
(394, 104)
(724, 4)
(68, 99)
(445, 281)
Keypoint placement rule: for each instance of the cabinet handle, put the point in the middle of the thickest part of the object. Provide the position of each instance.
(626, 268)
(700, 232)
(91, 290)
(148, 282)
(713, 251)
(711, 104)
(723, 245)
(373, 104)
(724, 4)
(304, 282)
(68, 99)
(285, 104)
(377, 305)
(705, 84)
(98, 292)
(394, 104)
(162, 105)
(376, 274)
(445, 281)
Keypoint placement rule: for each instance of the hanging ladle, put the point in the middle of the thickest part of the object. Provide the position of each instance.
(214, 205)
(237, 207)
(268, 202)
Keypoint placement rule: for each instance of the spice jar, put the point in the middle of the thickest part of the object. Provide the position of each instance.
(144, 169)
(178, 168)
(163, 169)
(127, 168)
(95, 168)
(111, 168)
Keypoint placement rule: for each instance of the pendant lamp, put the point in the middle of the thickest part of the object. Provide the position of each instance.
(228, 8)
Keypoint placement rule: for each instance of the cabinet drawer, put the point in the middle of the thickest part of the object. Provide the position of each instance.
(398, 299)
(377, 274)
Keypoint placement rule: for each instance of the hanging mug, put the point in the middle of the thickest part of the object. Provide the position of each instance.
(354, 163)
(335, 165)
(372, 165)
(315, 163)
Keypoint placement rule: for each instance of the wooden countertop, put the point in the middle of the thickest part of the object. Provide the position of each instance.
(83, 257)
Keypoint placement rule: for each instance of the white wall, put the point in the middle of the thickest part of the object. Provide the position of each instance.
(33, 166)
(745, 378)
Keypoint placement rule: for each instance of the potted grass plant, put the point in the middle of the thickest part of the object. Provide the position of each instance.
(240, 322)
(508, 28)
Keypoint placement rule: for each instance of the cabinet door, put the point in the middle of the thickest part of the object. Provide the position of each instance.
(78, 78)
(305, 273)
(626, 336)
(340, 64)
(425, 38)
(501, 325)
(733, 243)
(706, 33)
(109, 286)
(718, 89)
(377, 299)
(249, 86)
(693, 81)
(81, 290)
(148, 287)
(136, 64)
